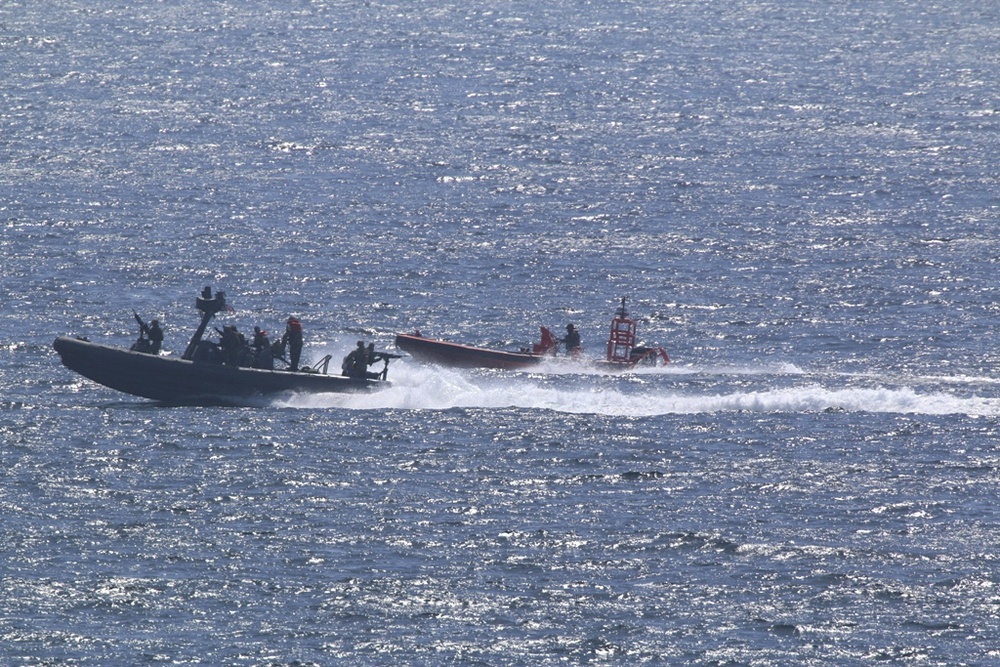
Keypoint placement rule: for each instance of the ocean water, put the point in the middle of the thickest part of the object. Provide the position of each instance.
(799, 199)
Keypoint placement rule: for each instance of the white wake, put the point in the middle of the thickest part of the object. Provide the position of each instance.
(648, 393)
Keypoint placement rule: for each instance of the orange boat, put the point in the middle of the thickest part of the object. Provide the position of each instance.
(622, 351)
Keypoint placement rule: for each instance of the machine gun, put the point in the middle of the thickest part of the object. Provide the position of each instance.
(143, 344)
(143, 327)
(209, 306)
(375, 357)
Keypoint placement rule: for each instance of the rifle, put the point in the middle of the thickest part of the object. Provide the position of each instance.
(143, 328)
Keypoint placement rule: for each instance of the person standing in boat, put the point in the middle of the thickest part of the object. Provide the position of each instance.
(260, 338)
(150, 336)
(155, 337)
(572, 340)
(293, 339)
(262, 357)
(232, 343)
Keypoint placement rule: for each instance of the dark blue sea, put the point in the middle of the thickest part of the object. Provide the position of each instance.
(799, 198)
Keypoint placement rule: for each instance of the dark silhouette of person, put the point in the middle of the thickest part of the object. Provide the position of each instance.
(293, 339)
(260, 339)
(150, 336)
(232, 343)
(356, 363)
(572, 339)
(155, 337)
(262, 357)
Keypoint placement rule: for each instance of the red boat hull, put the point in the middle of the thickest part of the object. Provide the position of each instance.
(463, 356)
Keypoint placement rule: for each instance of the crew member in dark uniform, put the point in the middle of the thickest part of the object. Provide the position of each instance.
(150, 336)
(356, 363)
(155, 337)
(260, 339)
(572, 340)
(293, 339)
(232, 343)
(262, 357)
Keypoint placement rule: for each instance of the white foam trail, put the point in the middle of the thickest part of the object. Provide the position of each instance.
(942, 379)
(417, 387)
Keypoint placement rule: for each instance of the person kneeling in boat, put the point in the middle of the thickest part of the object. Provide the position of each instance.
(357, 362)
